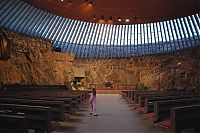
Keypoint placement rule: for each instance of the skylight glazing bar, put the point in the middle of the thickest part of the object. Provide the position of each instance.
(108, 46)
(92, 40)
(121, 41)
(63, 31)
(188, 32)
(125, 45)
(81, 54)
(69, 36)
(111, 42)
(52, 27)
(117, 42)
(80, 45)
(161, 36)
(48, 19)
(8, 20)
(20, 16)
(157, 37)
(48, 26)
(103, 50)
(67, 31)
(171, 29)
(178, 39)
(77, 38)
(7, 11)
(59, 30)
(74, 33)
(97, 47)
(185, 32)
(166, 36)
(141, 40)
(36, 34)
(191, 28)
(88, 54)
(27, 20)
(195, 27)
(56, 28)
(153, 33)
(182, 33)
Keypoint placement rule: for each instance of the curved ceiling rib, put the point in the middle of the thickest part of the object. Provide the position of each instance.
(102, 41)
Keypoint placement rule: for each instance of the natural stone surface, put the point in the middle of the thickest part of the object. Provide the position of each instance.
(34, 62)
(180, 70)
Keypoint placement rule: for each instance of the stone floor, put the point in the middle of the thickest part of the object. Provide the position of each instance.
(115, 116)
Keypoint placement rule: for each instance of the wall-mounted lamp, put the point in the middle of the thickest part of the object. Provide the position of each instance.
(119, 19)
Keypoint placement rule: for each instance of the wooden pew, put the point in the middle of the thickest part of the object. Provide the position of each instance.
(163, 94)
(185, 117)
(38, 117)
(13, 123)
(57, 107)
(162, 108)
(149, 101)
(21, 87)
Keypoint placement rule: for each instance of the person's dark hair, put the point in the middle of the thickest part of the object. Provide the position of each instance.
(94, 91)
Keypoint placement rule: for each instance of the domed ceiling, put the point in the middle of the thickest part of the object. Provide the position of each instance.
(119, 11)
(154, 26)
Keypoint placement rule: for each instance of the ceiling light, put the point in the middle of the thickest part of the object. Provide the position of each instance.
(69, 2)
(119, 19)
(61, 0)
(127, 20)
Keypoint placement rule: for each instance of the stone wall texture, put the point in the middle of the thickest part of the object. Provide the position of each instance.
(34, 61)
(176, 70)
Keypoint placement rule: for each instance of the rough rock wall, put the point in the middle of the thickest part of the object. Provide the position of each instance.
(34, 62)
(180, 70)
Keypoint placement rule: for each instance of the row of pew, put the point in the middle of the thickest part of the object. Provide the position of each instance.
(175, 110)
(39, 108)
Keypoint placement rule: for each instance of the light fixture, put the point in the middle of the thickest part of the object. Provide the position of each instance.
(127, 20)
(70, 2)
(119, 19)
(62, 0)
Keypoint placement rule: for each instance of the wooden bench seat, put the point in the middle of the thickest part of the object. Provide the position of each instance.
(38, 117)
(13, 123)
(162, 108)
(57, 107)
(185, 117)
(149, 101)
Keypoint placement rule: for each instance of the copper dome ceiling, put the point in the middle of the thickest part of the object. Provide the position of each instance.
(108, 11)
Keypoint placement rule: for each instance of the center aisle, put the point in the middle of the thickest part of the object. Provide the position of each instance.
(114, 116)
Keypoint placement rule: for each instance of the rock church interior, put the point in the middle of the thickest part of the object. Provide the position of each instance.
(139, 59)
